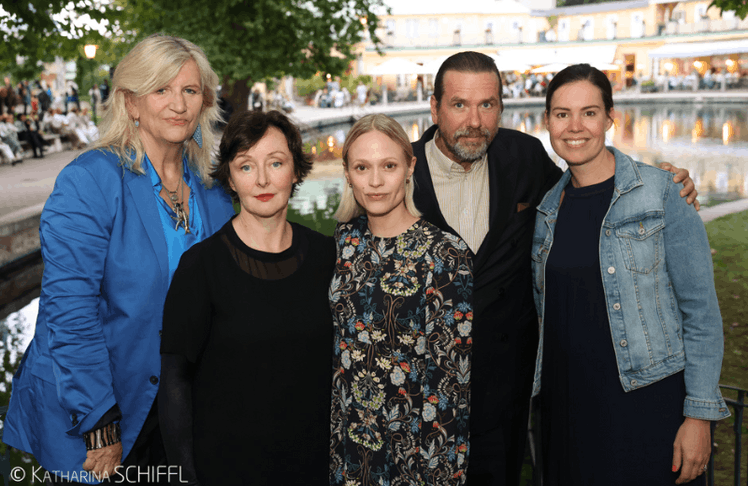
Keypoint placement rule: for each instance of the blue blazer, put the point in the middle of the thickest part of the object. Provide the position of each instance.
(97, 337)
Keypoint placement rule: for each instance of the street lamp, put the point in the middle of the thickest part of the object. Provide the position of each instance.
(90, 51)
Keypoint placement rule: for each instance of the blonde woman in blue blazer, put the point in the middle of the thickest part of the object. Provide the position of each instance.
(112, 233)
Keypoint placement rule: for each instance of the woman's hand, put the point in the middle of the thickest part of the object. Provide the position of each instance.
(689, 188)
(691, 449)
(104, 460)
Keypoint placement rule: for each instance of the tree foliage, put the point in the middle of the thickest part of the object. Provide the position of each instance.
(253, 40)
(35, 31)
(739, 6)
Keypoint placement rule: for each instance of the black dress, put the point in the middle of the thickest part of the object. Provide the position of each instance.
(593, 433)
(254, 331)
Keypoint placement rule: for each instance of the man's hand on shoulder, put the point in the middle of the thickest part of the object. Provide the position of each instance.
(689, 188)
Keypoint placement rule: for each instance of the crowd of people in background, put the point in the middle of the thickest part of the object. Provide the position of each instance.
(29, 111)
(332, 95)
(273, 100)
(713, 79)
(526, 85)
(522, 86)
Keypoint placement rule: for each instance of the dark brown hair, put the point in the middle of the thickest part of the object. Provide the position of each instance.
(464, 62)
(247, 128)
(581, 72)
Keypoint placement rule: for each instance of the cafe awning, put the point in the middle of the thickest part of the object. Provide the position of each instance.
(550, 68)
(699, 49)
(432, 66)
(504, 65)
(394, 66)
(549, 55)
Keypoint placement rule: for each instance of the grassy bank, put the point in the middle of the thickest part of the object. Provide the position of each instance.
(728, 237)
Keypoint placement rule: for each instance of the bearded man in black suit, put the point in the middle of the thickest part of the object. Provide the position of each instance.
(483, 183)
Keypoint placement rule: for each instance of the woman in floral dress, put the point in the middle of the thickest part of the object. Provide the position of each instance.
(401, 299)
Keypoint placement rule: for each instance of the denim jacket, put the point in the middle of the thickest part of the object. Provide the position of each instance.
(663, 312)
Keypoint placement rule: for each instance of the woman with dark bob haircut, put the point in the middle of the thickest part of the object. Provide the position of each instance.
(247, 330)
(630, 333)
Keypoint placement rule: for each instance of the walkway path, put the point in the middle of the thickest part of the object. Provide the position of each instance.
(25, 187)
(714, 212)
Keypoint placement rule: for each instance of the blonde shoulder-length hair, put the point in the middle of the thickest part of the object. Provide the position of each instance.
(349, 208)
(150, 65)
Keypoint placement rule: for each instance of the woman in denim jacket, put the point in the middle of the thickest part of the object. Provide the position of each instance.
(631, 339)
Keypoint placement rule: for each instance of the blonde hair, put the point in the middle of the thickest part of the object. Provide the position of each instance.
(150, 65)
(349, 208)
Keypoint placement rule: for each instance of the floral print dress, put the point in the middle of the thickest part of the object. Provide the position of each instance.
(402, 310)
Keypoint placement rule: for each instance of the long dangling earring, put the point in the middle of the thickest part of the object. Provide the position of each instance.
(198, 136)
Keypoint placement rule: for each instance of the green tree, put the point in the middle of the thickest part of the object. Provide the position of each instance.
(739, 6)
(253, 40)
(35, 31)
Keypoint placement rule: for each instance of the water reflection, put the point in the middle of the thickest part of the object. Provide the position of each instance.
(711, 141)
(16, 332)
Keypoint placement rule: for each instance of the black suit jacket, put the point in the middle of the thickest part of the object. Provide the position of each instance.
(505, 327)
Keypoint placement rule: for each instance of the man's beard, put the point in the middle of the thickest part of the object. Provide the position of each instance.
(470, 153)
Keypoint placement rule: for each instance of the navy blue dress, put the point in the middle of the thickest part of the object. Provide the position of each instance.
(593, 432)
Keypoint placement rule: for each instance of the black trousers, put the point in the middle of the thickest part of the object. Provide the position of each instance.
(35, 140)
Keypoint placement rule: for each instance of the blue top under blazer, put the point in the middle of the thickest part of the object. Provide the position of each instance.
(98, 331)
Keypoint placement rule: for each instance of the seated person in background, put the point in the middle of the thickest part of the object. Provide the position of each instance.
(47, 120)
(339, 99)
(80, 122)
(709, 80)
(324, 100)
(29, 131)
(6, 154)
(60, 124)
(9, 136)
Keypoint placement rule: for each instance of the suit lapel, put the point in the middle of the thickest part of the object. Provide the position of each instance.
(502, 175)
(141, 190)
(425, 196)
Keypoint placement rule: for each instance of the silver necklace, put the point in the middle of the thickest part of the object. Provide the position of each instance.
(175, 197)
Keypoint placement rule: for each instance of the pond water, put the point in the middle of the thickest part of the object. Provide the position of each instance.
(711, 141)
(16, 332)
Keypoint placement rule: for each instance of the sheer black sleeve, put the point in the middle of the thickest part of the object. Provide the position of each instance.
(112, 415)
(175, 414)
